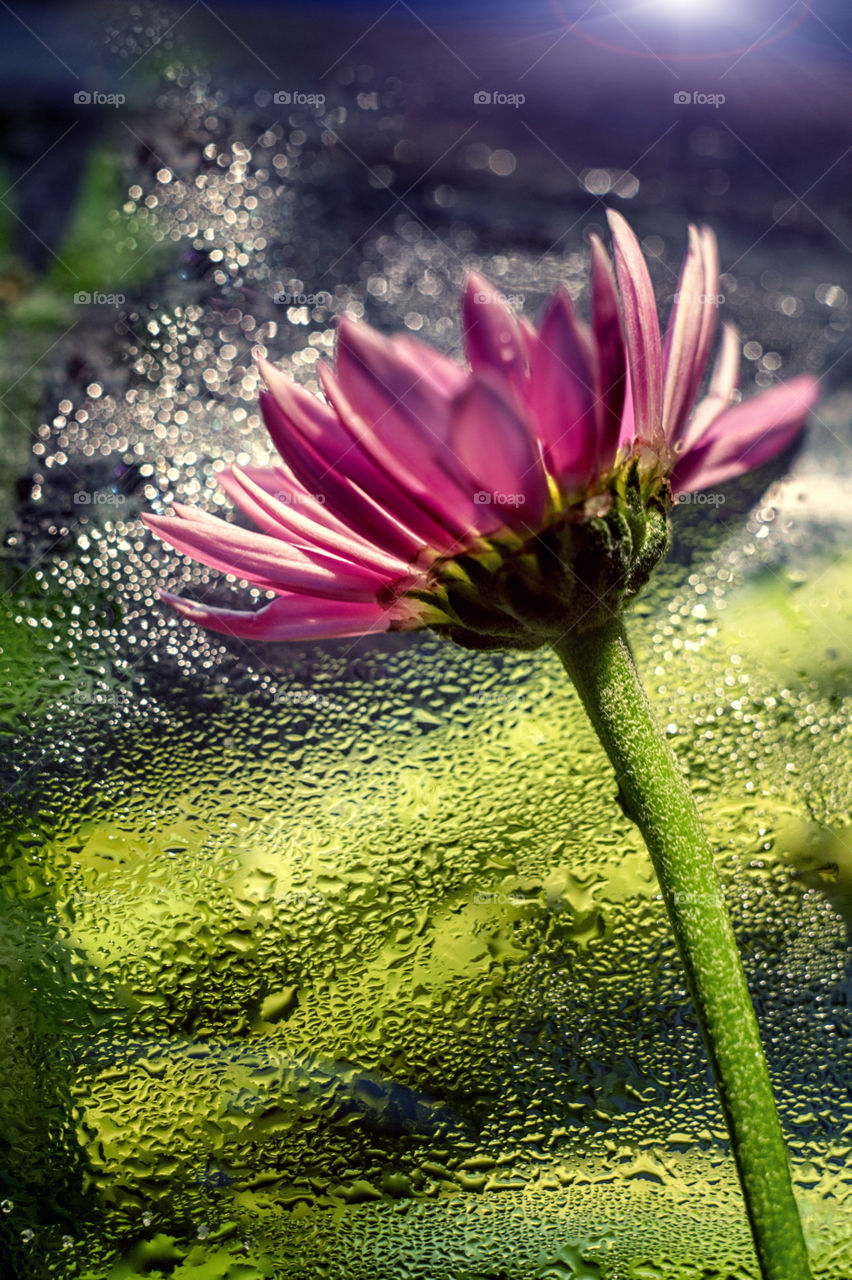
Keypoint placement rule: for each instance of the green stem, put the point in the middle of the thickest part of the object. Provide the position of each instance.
(655, 794)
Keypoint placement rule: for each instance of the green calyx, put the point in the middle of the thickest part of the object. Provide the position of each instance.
(578, 572)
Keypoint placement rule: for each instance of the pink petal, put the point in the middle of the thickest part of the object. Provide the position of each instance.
(722, 386)
(283, 519)
(528, 339)
(307, 410)
(290, 617)
(388, 382)
(627, 434)
(711, 306)
(280, 482)
(307, 416)
(641, 328)
(266, 562)
(746, 436)
(403, 420)
(443, 374)
(682, 376)
(497, 446)
(262, 507)
(432, 497)
(491, 333)
(611, 364)
(562, 393)
(304, 417)
(305, 447)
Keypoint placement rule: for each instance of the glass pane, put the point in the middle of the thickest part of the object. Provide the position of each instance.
(340, 959)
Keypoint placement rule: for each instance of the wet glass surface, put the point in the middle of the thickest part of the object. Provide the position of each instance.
(340, 959)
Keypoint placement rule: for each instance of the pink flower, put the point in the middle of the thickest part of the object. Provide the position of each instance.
(416, 477)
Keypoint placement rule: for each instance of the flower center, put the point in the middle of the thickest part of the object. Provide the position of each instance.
(580, 570)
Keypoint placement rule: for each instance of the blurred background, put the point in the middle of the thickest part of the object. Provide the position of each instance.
(338, 959)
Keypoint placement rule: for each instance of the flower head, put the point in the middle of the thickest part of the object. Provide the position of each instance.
(502, 501)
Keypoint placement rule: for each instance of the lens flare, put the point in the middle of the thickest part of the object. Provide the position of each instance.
(681, 30)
